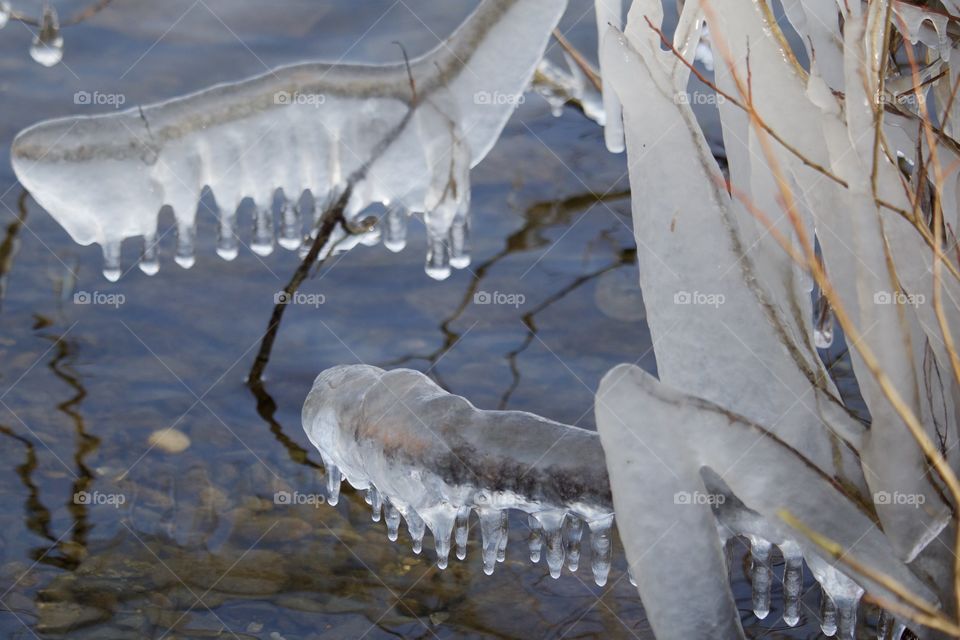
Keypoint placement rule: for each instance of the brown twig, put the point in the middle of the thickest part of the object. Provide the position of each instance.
(81, 16)
(578, 58)
(331, 218)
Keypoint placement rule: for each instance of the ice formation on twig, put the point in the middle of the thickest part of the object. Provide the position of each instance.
(733, 323)
(308, 126)
(432, 458)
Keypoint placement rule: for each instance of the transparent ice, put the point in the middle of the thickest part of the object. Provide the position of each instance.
(402, 136)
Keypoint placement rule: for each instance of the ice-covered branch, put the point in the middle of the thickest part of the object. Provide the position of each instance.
(302, 127)
(432, 458)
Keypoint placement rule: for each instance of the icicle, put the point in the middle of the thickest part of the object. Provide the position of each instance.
(459, 242)
(631, 577)
(395, 236)
(761, 576)
(552, 522)
(392, 517)
(186, 233)
(573, 532)
(227, 236)
(840, 597)
(370, 238)
(440, 520)
(333, 484)
(847, 617)
(375, 501)
(291, 234)
(490, 531)
(536, 538)
(823, 333)
(149, 263)
(5, 12)
(263, 233)
(306, 244)
(438, 256)
(47, 46)
(600, 549)
(111, 260)
(504, 535)
(828, 614)
(415, 527)
(462, 531)
(792, 582)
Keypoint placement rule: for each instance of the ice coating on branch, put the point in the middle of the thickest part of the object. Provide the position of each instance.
(558, 87)
(734, 328)
(433, 458)
(404, 137)
(47, 46)
(610, 14)
(697, 449)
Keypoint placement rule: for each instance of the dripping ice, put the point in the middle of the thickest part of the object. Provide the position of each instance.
(428, 475)
(408, 135)
(434, 463)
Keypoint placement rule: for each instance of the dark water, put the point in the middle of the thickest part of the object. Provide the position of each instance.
(199, 548)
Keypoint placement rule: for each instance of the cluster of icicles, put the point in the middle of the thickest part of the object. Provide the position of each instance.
(561, 533)
(404, 136)
(47, 45)
(283, 225)
(402, 440)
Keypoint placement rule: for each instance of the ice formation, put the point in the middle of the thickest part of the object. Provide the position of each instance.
(433, 458)
(405, 136)
(743, 395)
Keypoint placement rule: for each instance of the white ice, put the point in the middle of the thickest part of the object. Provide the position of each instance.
(403, 136)
(432, 457)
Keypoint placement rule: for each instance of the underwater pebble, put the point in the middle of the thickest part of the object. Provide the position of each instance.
(169, 440)
(60, 617)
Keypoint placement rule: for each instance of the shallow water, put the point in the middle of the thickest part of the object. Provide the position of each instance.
(199, 547)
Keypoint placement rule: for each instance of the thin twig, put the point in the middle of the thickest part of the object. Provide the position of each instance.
(579, 59)
(81, 16)
(331, 218)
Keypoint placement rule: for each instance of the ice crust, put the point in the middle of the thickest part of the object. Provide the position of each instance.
(405, 136)
(733, 322)
(432, 457)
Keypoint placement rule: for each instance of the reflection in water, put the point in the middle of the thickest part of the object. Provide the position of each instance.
(85, 444)
(538, 218)
(10, 244)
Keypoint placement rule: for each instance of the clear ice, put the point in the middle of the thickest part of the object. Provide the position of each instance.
(405, 137)
(433, 457)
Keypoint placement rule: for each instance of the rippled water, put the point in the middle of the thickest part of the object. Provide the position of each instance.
(199, 548)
